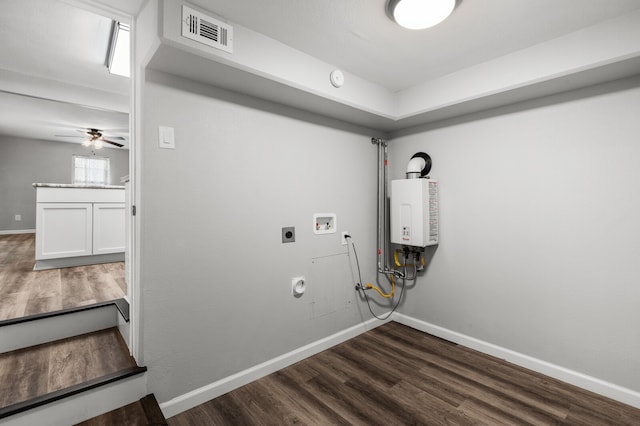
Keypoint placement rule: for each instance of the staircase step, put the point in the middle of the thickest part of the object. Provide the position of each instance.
(82, 406)
(53, 372)
(69, 391)
(36, 329)
(146, 411)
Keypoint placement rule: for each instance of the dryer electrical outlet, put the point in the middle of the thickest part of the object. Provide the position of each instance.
(414, 212)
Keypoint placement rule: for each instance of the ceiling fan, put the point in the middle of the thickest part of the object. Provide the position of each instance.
(95, 138)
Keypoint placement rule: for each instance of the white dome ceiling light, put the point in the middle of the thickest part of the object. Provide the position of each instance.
(419, 14)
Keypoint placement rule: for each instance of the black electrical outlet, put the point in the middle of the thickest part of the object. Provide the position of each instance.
(289, 234)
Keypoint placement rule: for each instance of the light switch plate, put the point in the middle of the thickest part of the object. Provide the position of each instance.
(166, 137)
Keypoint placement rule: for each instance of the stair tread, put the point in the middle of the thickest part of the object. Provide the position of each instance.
(49, 368)
(40, 400)
(121, 304)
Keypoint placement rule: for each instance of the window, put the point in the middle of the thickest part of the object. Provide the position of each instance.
(118, 55)
(90, 170)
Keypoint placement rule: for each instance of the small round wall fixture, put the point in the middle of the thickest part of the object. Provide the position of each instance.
(298, 286)
(337, 78)
(419, 14)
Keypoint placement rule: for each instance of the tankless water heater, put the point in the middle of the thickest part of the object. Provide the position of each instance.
(414, 212)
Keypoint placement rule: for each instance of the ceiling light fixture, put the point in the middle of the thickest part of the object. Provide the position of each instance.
(118, 58)
(93, 141)
(98, 144)
(419, 14)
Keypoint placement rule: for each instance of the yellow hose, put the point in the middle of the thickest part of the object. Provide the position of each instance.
(383, 294)
(393, 281)
(395, 257)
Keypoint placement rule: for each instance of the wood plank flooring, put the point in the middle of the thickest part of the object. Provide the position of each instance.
(38, 370)
(395, 375)
(140, 413)
(24, 291)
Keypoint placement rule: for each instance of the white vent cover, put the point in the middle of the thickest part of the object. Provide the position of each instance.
(207, 30)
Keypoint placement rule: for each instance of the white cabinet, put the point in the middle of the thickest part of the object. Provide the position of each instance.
(65, 230)
(79, 226)
(108, 228)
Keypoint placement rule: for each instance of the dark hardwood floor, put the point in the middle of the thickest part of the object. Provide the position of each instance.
(38, 370)
(144, 412)
(395, 375)
(24, 291)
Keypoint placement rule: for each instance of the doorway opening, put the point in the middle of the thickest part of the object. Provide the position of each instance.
(61, 104)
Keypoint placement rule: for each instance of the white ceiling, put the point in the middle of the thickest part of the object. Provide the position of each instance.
(53, 77)
(54, 51)
(357, 35)
(61, 43)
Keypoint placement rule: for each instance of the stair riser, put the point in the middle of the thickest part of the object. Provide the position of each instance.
(84, 406)
(31, 333)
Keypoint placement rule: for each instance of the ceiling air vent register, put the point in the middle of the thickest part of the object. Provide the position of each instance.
(207, 30)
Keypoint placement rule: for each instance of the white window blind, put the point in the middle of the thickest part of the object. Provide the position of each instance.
(90, 170)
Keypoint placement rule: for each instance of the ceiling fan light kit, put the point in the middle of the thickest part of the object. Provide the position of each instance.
(95, 138)
(419, 14)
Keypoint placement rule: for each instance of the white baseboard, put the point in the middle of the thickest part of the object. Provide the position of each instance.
(18, 231)
(581, 380)
(213, 390)
(66, 262)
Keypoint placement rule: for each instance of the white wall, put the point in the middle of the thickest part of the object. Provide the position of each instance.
(215, 277)
(25, 161)
(540, 236)
(538, 242)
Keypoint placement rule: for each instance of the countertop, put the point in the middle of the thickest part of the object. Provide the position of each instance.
(71, 185)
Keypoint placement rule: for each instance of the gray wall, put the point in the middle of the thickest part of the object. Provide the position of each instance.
(25, 161)
(540, 236)
(215, 277)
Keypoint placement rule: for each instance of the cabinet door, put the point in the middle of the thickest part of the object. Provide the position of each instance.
(108, 228)
(63, 230)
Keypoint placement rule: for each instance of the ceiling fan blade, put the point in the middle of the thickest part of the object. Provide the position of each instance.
(118, 138)
(69, 136)
(123, 130)
(119, 145)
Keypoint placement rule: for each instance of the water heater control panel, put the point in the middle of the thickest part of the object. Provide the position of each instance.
(414, 212)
